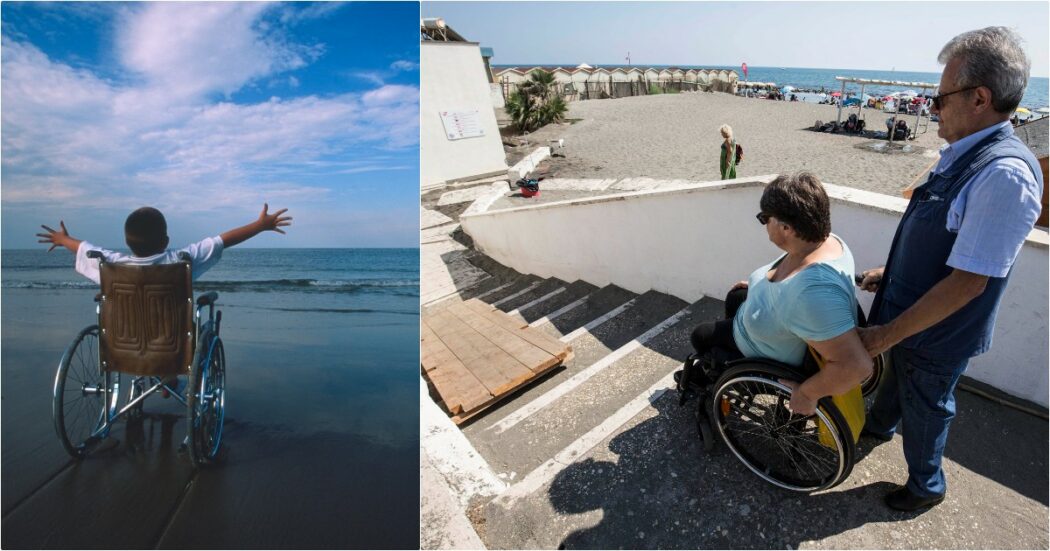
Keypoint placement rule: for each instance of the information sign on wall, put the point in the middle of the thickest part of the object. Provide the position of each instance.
(462, 124)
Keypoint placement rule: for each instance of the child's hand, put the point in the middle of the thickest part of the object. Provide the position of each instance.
(273, 221)
(58, 238)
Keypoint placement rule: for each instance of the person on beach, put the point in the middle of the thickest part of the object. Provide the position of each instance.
(937, 295)
(730, 153)
(146, 234)
(803, 298)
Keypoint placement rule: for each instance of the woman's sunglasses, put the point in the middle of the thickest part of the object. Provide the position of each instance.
(763, 218)
(938, 100)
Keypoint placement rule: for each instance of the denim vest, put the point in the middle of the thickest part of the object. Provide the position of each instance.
(919, 254)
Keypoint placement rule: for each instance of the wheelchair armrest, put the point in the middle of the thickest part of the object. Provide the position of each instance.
(207, 299)
(95, 254)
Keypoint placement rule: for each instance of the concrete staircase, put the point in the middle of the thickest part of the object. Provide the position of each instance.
(626, 347)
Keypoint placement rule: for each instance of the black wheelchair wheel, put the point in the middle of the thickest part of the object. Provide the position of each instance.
(79, 405)
(206, 400)
(794, 452)
(878, 367)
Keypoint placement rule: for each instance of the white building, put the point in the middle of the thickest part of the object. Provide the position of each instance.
(459, 136)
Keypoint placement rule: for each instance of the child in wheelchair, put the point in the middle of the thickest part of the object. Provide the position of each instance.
(146, 235)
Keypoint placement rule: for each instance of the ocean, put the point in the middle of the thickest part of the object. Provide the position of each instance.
(322, 414)
(1036, 95)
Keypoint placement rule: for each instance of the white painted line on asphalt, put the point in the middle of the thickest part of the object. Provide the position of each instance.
(516, 295)
(578, 379)
(451, 454)
(537, 301)
(491, 291)
(601, 319)
(578, 449)
(560, 311)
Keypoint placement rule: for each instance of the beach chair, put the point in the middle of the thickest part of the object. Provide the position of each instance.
(744, 401)
(149, 332)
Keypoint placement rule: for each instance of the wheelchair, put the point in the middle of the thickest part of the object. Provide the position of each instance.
(149, 331)
(744, 401)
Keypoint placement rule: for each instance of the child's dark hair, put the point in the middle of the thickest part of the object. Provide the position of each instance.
(146, 232)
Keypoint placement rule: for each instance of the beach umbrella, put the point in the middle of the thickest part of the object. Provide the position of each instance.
(789, 88)
(1023, 111)
(1043, 110)
(836, 94)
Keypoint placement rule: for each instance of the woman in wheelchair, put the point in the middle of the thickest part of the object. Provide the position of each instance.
(753, 366)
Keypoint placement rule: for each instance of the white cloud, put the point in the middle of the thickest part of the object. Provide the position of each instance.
(404, 65)
(199, 48)
(72, 137)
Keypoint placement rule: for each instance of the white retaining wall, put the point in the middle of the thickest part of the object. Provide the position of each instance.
(698, 239)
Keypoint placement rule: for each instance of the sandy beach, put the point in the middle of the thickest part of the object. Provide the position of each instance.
(675, 136)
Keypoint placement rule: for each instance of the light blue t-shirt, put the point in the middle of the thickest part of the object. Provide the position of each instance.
(815, 304)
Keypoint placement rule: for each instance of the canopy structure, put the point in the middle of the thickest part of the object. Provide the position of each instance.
(769, 85)
(879, 82)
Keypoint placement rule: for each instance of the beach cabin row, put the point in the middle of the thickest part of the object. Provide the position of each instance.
(587, 82)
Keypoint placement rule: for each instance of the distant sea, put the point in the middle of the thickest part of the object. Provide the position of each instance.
(1035, 96)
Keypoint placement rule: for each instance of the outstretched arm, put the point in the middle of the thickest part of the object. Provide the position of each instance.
(265, 222)
(59, 238)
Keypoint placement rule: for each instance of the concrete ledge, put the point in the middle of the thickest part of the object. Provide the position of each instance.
(528, 164)
(485, 200)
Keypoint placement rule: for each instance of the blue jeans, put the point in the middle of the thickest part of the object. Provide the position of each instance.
(919, 392)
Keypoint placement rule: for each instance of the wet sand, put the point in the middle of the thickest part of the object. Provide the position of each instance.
(317, 455)
(675, 136)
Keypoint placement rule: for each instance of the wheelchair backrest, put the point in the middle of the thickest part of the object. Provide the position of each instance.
(146, 319)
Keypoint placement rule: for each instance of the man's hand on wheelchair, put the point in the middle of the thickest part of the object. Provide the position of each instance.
(273, 222)
(800, 402)
(58, 238)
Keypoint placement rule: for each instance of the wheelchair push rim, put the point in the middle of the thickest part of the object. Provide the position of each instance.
(206, 403)
(878, 365)
(84, 397)
(793, 452)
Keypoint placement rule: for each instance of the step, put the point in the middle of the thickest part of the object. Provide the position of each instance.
(508, 286)
(594, 307)
(544, 289)
(493, 267)
(553, 415)
(573, 292)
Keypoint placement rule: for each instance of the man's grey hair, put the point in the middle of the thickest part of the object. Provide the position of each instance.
(991, 57)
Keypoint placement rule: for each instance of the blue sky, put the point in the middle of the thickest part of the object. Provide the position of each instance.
(206, 110)
(833, 35)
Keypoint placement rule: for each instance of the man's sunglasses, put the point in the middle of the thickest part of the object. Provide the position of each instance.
(938, 100)
(763, 218)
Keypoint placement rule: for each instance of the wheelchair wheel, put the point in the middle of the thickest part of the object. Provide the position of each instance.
(794, 452)
(79, 406)
(206, 400)
(878, 365)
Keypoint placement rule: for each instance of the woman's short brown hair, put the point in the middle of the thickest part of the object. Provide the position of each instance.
(799, 200)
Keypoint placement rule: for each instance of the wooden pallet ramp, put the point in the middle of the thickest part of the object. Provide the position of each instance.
(475, 355)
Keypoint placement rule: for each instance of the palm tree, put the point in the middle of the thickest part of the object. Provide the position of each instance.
(522, 109)
(535, 102)
(542, 83)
